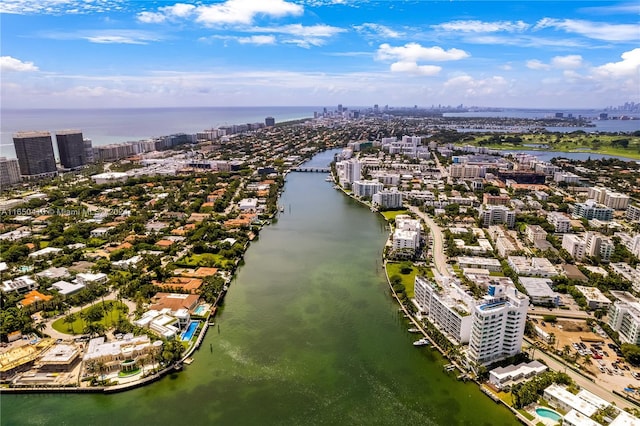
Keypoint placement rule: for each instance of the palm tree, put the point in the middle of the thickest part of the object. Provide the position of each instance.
(69, 320)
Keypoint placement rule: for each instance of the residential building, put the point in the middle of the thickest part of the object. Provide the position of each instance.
(9, 172)
(45, 253)
(87, 278)
(21, 284)
(595, 298)
(633, 213)
(598, 246)
(624, 317)
(71, 148)
(66, 288)
(498, 326)
(614, 200)
(269, 121)
(387, 199)
(406, 235)
(559, 397)
(465, 171)
(491, 215)
(631, 243)
(505, 376)
(35, 153)
(535, 266)
(535, 232)
(560, 222)
(88, 151)
(628, 273)
(495, 200)
(540, 291)
(574, 245)
(349, 171)
(447, 306)
(118, 355)
(592, 210)
(366, 188)
(490, 264)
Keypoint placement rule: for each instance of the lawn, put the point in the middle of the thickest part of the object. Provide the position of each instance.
(108, 320)
(391, 214)
(204, 259)
(408, 280)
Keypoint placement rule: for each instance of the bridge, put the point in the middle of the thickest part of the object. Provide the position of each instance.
(311, 169)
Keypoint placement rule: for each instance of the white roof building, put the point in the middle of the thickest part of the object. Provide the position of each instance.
(535, 266)
(540, 291)
(66, 288)
(595, 298)
(45, 252)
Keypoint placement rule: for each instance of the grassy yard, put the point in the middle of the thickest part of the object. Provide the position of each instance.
(391, 214)
(77, 326)
(204, 259)
(408, 280)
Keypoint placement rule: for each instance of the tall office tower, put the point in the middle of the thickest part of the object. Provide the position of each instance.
(35, 153)
(88, 151)
(9, 172)
(269, 121)
(339, 107)
(71, 148)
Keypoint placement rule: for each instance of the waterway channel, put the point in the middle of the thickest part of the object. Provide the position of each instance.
(308, 336)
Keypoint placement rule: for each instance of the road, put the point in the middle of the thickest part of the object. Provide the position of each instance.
(583, 382)
(439, 258)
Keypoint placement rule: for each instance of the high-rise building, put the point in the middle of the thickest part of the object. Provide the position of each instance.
(71, 148)
(269, 121)
(35, 153)
(88, 151)
(9, 172)
(498, 325)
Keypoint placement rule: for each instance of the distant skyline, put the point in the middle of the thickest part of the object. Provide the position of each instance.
(115, 53)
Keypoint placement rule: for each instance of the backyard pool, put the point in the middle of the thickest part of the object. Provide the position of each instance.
(191, 329)
(548, 413)
(200, 310)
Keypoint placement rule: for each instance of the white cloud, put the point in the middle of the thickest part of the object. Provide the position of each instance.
(320, 30)
(231, 12)
(413, 52)
(567, 62)
(58, 7)
(468, 87)
(257, 39)
(378, 30)
(474, 26)
(119, 36)
(628, 67)
(535, 64)
(414, 68)
(594, 30)
(8, 64)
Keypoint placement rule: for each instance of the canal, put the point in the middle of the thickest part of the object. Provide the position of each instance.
(308, 335)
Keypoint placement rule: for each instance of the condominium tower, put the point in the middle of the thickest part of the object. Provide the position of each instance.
(35, 153)
(71, 148)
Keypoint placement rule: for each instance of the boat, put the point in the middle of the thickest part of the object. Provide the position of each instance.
(328, 179)
(281, 208)
(188, 360)
(422, 342)
(414, 330)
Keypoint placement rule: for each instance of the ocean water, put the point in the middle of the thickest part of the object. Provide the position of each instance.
(106, 126)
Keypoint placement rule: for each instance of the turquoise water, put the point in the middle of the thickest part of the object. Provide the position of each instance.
(308, 335)
(549, 414)
(188, 334)
(200, 310)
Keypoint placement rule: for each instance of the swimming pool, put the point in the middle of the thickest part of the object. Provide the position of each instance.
(200, 310)
(548, 413)
(191, 329)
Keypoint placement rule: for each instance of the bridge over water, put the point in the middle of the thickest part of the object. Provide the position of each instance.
(311, 169)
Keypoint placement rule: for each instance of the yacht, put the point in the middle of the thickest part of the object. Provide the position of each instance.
(422, 342)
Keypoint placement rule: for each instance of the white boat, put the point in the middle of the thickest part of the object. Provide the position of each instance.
(414, 330)
(422, 342)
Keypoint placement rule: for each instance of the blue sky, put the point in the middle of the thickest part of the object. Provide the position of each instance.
(113, 53)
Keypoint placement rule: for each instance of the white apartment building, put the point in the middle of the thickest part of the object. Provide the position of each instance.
(614, 200)
(366, 188)
(465, 171)
(535, 266)
(498, 325)
(631, 243)
(595, 298)
(9, 172)
(388, 199)
(566, 177)
(628, 273)
(490, 264)
(535, 232)
(447, 306)
(624, 317)
(575, 245)
(491, 215)
(404, 221)
(349, 171)
(598, 246)
(592, 210)
(405, 240)
(389, 179)
(560, 222)
(540, 291)
(633, 213)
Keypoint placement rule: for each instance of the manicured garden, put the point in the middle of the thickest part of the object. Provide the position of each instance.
(97, 317)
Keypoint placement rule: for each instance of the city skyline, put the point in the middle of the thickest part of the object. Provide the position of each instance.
(113, 53)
